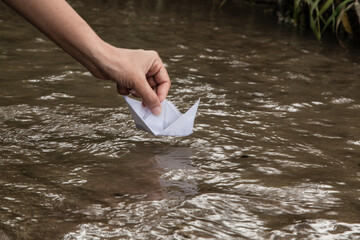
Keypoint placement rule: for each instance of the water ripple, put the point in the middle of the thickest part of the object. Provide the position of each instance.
(274, 153)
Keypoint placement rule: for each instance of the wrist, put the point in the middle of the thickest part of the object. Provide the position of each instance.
(95, 57)
(107, 59)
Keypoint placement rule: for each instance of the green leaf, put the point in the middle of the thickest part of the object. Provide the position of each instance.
(296, 11)
(335, 13)
(357, 10)
(314, 27)
(343, 18)
(314, 18)
(327, 4)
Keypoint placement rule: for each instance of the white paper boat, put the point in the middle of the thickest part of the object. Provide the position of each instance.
(170, 123)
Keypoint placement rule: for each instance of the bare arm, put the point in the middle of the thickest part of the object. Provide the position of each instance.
(135, 71)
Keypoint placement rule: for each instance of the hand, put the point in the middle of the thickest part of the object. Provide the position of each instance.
(137, 72)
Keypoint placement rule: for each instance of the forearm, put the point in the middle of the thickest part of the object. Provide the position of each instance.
(132, 70)
(58, 21)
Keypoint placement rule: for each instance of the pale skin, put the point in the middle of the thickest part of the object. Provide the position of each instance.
(138, 72)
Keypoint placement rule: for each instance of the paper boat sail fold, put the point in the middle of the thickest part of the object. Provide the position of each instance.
(170, 123)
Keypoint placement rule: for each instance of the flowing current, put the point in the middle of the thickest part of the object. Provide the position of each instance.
(275, 152)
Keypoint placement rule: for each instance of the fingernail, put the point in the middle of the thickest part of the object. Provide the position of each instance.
(156, 111)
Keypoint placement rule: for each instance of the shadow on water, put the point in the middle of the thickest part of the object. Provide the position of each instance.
(73, 193)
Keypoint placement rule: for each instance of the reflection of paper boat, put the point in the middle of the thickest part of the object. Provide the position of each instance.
(170, 123)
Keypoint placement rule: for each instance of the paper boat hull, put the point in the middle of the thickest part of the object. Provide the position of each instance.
(170, 123)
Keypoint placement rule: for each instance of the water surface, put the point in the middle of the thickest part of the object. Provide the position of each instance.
(275, 149)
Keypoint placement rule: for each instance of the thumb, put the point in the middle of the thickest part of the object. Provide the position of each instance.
(148, 96)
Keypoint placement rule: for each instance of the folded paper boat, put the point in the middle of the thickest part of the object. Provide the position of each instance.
(170, 123)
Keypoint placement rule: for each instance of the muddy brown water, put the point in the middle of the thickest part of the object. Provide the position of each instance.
(275, 149)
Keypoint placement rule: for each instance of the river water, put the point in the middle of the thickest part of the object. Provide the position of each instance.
(275, 152)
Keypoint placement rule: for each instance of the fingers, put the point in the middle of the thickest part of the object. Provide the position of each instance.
(157, 86)
(127, 91)
(149, 97)
(158, 73)
(163, 83)
(122, 90)
(151, 82)
(147, 78)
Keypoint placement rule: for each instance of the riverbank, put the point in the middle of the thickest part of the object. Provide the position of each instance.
(326, 19)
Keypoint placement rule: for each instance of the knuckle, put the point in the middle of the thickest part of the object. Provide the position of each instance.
(154, 54)
(158, 64)
(139, 52)
(152, 100)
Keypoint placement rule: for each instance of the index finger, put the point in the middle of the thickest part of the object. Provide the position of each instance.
(163, 83)
(148, 95)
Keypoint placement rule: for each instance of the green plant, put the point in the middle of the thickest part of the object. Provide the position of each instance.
(322, 14)
(318, 15)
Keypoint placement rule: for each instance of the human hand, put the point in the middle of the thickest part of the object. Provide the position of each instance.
(137, 72)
